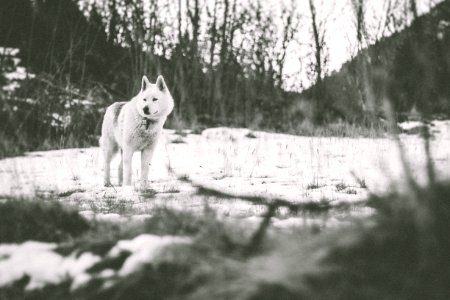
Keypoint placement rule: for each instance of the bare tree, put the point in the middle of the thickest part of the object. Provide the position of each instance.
(393, 19)
(224, 44)
(112, 26)
(359, 11)
(290, 20)
(180, 21)
(318, 65)
(226, 56)
(421, 50)
(222, 60)
(213, 37)
(361, 74)
(318, 39)
(194, 18)
(413, 8)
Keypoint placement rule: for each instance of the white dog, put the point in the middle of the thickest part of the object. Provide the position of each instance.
(135, 126)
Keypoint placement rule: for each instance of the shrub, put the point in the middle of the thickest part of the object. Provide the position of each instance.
(22, 220)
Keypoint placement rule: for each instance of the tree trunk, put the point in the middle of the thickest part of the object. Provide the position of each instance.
(319, 105)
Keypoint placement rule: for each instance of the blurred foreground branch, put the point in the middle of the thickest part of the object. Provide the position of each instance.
(272, 205)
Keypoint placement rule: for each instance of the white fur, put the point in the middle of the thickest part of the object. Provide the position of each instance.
(125, 128)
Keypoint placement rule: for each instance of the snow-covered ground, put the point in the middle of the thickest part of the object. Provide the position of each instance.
(271, 165)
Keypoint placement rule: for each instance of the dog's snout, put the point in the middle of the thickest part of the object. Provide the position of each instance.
(146, 110)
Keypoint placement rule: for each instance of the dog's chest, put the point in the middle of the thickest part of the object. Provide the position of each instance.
(136, 132)
(143, 135)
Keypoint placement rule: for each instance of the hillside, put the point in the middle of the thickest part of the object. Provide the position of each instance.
(411, 68)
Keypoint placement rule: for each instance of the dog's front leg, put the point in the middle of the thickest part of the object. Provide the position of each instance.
(146, 159)
(127, 157)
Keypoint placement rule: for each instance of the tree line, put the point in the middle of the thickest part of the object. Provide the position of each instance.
(225, 61)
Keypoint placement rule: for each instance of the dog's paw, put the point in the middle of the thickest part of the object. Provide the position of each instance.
(107, 184)
(144, 189)
(148, 193)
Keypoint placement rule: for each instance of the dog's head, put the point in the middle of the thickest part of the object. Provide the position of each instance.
(154, 100)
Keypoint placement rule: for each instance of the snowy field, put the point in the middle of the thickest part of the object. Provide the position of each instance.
(238, 161)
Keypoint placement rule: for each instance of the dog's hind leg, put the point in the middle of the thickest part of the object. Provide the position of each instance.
(120, 170)
(109, 150)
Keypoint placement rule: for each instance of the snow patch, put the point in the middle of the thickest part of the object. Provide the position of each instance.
(143, 248)
(41, 264)
(9, 51)
(408, 125)
(15, 74)
(44, 266)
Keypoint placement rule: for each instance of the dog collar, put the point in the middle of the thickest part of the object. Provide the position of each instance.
(147, 122)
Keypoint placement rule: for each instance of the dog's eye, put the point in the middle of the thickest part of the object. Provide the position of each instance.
(144, 100)
(155, 99)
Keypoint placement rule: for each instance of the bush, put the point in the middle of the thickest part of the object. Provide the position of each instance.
(42, 114)
(402, 255)
(22, 220)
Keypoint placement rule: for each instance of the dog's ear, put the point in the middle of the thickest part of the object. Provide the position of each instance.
(145, 83)
(161, 84)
